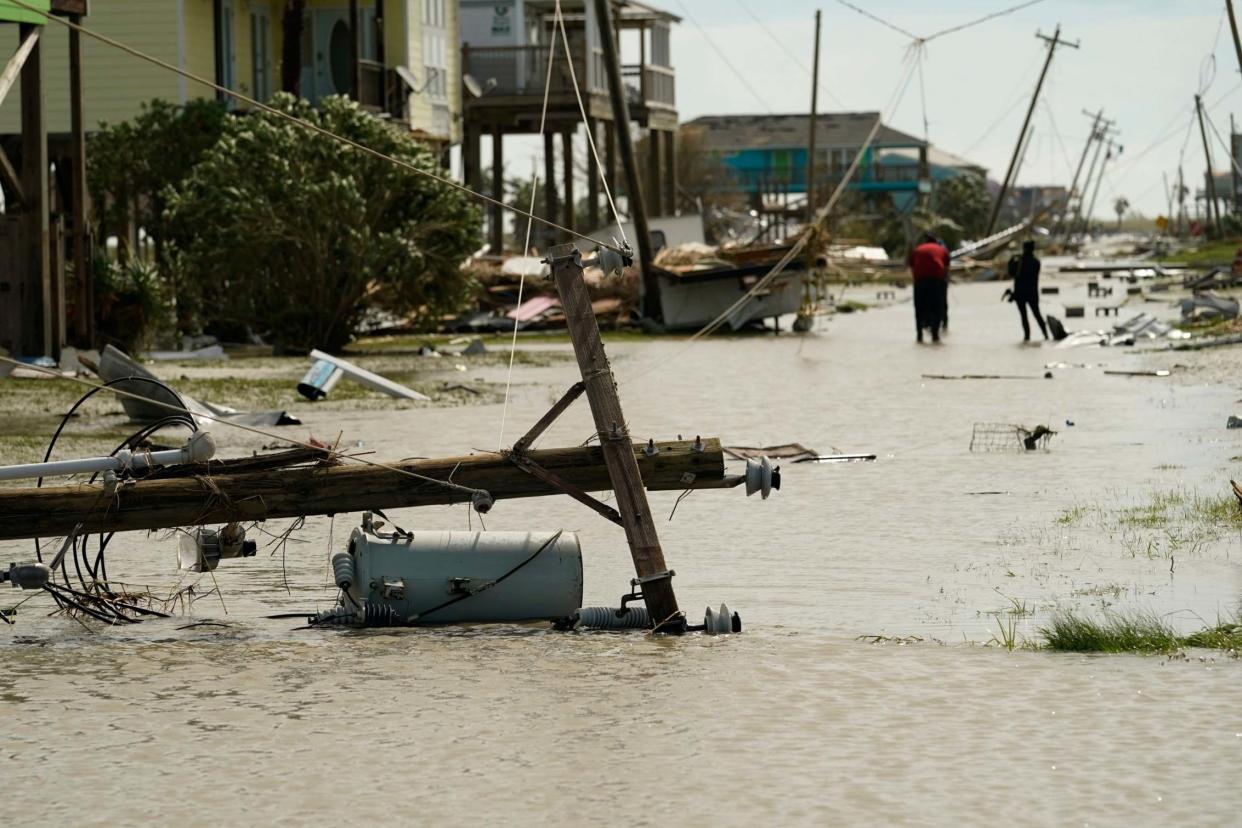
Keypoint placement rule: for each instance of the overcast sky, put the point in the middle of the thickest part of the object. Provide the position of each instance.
(1142, 61)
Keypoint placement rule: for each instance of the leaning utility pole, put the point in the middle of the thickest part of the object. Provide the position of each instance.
(1213, 208)
(1181, 201)
(1233, 26)
(1069, 196)
(810, 150)
(1233, 161)
(1011, 173)
(654, 576)
(625, 144)
(1100, 179)
(1078, 220)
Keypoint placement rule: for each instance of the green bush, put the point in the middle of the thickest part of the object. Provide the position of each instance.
(294, 234)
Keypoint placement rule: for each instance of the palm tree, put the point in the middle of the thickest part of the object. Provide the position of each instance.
(1119, 207)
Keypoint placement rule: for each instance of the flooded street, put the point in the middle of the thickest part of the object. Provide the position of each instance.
(871, 684)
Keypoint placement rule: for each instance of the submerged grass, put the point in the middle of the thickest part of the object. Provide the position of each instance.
(1135, 632)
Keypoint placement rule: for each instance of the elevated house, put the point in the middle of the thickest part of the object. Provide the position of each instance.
(396, 57)
(765, 158)
(506, 45)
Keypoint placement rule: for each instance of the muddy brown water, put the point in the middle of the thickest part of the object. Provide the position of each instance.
(796, 721)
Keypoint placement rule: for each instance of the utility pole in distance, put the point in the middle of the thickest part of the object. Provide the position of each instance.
(1011, 173)
(810, 150)
(1213, 208)
(1069, 196)
(1233, 26)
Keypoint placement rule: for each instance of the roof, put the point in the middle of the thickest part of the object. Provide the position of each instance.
(833, 129)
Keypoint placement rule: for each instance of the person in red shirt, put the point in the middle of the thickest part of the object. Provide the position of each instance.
(929, 265)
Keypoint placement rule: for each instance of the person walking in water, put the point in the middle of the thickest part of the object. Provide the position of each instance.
(1024, 270)
(929, 267)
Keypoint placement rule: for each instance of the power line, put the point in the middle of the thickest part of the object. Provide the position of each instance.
(879, 20)
(983, 19)
(780, 44)
(327, 133)
(725, 59)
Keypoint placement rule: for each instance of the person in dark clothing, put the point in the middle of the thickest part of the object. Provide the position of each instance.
(1024, 270)
(929, 267)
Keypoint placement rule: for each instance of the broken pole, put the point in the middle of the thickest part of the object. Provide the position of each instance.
(614, 438)
(211, 494)
(625, 144)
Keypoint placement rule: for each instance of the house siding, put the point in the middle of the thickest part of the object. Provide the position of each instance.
(115, 84)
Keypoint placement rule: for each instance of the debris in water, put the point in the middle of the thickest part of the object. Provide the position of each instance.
(1233, 422)
(990, 437)
(367, 378)
(1160, 373)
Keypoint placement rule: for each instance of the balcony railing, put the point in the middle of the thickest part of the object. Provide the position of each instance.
(520, 70)
(794, 180)
(651, 86)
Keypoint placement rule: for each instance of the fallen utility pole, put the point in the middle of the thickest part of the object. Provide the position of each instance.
(625, 145)
(1213, 208)
(1011, 173)
(810, 149)
(654, 576)
(1079, 222)
(214, 496)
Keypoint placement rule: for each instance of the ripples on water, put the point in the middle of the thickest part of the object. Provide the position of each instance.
(793, 721)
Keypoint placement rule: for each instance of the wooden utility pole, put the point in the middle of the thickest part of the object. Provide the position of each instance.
(243, 490)
(810, 148)
(1069, 197)
(1233, 161)
(625, 144)
(1012, 172)
(1077, 220)
(1233, 26)
(84, 295)
(1181, 201)
(614, 438)
(36, 237)
(1108, 156)
(1213, 208)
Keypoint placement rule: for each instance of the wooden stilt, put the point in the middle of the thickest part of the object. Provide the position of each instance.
(496, 227)
(567, 165)
(84, 295)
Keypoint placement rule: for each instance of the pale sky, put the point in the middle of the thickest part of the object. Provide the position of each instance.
(1142, 61)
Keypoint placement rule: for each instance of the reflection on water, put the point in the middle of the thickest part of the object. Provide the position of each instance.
(795, 720)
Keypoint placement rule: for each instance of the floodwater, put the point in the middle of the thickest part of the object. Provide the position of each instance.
(796, 721)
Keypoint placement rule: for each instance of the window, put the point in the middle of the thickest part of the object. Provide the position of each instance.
(435, 50)
(226, 48)
(260, 53)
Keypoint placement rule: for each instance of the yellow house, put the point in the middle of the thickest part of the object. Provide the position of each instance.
(402, 59)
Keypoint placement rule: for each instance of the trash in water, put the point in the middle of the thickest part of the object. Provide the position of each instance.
(1233, 422)
(475, 347)
(990, 437)
(1160, 373)
(1209, 306)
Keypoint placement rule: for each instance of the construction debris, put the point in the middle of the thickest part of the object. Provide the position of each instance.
(117, 369)
(1209, 306)
(359, 375)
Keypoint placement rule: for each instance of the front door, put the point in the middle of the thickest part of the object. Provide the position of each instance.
(333, 74)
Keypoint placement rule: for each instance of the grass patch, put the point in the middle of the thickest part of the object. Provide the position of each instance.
(1136, 632)
(1214, 253)
(1073, 516)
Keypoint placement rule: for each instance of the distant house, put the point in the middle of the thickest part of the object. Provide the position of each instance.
(396, 57)
(767, 154)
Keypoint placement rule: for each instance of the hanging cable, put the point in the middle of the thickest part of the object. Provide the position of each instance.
(327, 133)
(879, 20)
(984, 19)
(762, 101)
(780, 44)
(534, 188)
